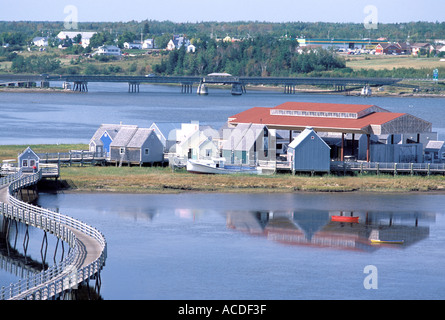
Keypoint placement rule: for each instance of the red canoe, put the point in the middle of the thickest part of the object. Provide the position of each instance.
(344, 219)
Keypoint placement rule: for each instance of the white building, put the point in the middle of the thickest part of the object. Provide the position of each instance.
(148, 44)
(191, 48)
(86, 36)
(109, 51)
(132, 45)
(40, 41)
(177, 42)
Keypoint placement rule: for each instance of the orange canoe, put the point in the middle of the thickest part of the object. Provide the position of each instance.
(344, 219)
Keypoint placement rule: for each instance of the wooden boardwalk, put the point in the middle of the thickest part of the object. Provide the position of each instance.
(85, 260)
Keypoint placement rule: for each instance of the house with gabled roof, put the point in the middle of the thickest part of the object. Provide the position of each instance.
(127, 144)
(249, 143)
(144, 147)
(308, 152)
(103, 137)
(28, 160)
(435, 152)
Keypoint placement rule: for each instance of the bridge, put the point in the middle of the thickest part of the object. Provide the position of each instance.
(88, 247)
(80, 83)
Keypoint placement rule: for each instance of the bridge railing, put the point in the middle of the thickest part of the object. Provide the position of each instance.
(60, 277)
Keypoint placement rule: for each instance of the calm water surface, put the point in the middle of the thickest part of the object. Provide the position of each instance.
(230, 246)
(264, 246)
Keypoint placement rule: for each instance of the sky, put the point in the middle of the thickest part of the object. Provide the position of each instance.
(383, 11)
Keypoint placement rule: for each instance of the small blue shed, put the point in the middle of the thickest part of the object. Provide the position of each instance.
(309, 153)
(28, 161)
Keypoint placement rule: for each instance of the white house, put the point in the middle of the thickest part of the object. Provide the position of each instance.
(191, 48)
(148, 44)
(177, 42)
(40, 41)
(132, 45)
(109, 51)
(86, 36)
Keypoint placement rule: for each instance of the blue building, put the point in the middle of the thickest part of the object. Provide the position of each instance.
(309, 153)
(28, 161)
(104, 136)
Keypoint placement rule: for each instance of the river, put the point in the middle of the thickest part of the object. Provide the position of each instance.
(234, 246)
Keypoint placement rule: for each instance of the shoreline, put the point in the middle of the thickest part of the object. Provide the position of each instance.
(257, 88)
(164, 181)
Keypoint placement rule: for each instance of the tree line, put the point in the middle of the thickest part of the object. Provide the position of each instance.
(420, 31)
(259, 57)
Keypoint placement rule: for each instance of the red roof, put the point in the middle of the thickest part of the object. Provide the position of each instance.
(327, 107)
(263, 116)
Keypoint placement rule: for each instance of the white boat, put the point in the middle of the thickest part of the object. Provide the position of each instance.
(217, 166)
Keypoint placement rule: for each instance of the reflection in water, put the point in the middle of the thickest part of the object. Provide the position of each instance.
(317, 228)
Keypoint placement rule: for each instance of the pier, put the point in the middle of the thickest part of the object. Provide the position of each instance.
(88, 247)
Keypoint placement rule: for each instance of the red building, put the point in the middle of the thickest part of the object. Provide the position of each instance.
(350, 119)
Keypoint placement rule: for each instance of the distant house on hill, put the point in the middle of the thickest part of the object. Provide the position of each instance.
(417, 48)
(40, 41)
(148, 44)
(177, 42)
(85, 40)
(133, 45)
(388, 48)
(109, 51)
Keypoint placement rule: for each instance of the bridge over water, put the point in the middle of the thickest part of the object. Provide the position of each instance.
(80, 83)
(88, 246)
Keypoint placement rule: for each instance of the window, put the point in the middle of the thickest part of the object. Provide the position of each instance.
(122, 150)
(32, 163)
(24, 163)
(146, 151)
(208, 152)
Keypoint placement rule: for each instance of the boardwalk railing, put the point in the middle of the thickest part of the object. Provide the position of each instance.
(74, 156)
(70, 271)
(388, 167)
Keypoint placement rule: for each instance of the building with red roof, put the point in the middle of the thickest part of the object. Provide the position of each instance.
(335, 118)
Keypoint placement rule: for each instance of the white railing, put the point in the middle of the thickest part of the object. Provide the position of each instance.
(388, 166)
(69, 272)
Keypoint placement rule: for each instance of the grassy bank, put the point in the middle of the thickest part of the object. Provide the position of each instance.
(163, 180)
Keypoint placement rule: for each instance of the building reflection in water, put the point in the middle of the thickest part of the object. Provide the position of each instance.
(319, 228)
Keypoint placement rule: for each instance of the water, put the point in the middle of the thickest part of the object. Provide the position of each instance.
(182, 246)
(30, 118)
(212, 246)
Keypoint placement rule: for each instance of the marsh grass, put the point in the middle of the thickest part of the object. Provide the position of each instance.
(164, 180)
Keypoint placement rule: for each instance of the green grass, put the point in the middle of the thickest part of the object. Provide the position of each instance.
(164, 180)
(12, 151)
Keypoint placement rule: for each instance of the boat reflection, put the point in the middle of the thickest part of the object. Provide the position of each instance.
(370, 231)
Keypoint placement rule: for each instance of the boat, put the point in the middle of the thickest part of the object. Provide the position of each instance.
(217, 166)
(378, 241)
(344, 219)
